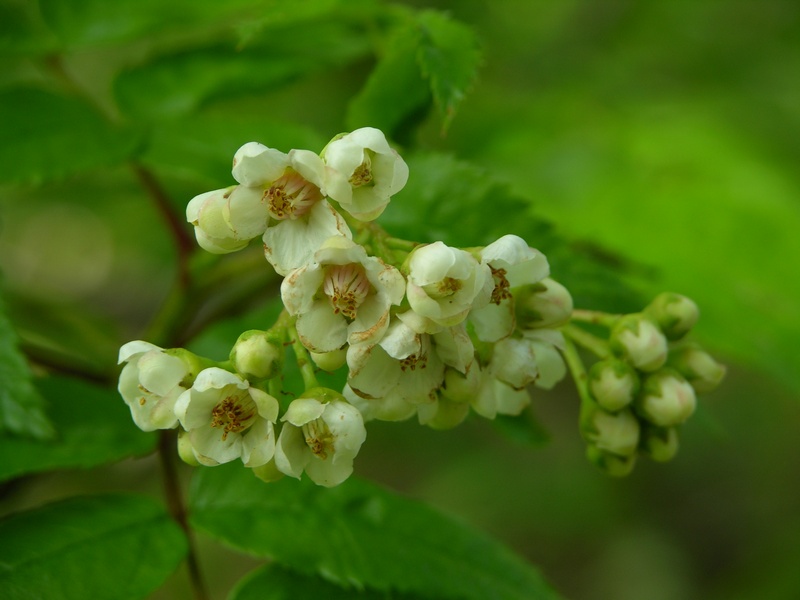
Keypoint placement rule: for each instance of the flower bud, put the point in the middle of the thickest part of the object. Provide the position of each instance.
(257, 354)
(659, 443)
(543, 304)
(638, 339)
(268, 472)
(329, 361)
(613, 383)
(185, 449)
(612, 464)
(666, 398)
(674, 314)
(615, 433)
(698, 367)
(442, 414)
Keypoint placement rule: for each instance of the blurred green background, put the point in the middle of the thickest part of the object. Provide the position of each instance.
(660, 139)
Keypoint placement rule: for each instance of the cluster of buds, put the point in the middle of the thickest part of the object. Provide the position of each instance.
(424, 330)
(646, 385)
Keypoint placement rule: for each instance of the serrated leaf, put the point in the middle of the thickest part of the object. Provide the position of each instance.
(47, 136)
(21, 406)
(395, 93)
(177, 84)
(449, 57)
(272, 582)
(93, 426)
(86, 23)
(115, 547)
(358, 535)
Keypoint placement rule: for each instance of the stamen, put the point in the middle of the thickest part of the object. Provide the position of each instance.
(444, 288)
(347, 287)
(363, 172)
(291, 196)
(318, 438)
(232, 415)
(501, 289)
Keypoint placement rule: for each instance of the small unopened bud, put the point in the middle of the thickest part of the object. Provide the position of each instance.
(698, 367)
(612, 464)
(613, 383)
(442, 414)
(257, 354)
(329, 361)
(459, 387)
(617, 433)
(639, 340)
(268, 472)
(659, 443)
(543, 304)
(185, 449)
(666, 398)
(674, 314)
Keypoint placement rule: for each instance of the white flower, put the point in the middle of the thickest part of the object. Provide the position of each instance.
(444, 284)
(150, 383)
(495, 397)
(210, 213)
(320, 437)
(639, 340)
(533, 358)
(363, 172)
(546, 345)
(342, 297)
(390, 408)
(513, 263)
(227, 419)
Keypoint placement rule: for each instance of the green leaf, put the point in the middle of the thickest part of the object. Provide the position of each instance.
(22, 30)
(47, 136)
(358, 535)
(21, 406)
(449, 57)
(272, 582)
(115, 547)
(179, 83)
(200, 147)
(94, 427)
(86, 23)
(395, 94)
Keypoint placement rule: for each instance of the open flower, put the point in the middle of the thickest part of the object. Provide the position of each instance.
(444, 284)
(513, 263)
(226, 419)
(321, 435)
(343, 296)
(150, 383)
(363, 172)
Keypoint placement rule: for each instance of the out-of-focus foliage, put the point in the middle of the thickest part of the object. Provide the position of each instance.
(641, 146)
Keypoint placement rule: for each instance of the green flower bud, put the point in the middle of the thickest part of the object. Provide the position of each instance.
(698, 367)
(612, 464)
(615, 433)
(268, 472)
(330, 361)
(257, 354)
(659, 443)
(543, 304)
(674, 314)
(442, 414)
(666, 398)
(640, 341)
(613, 383)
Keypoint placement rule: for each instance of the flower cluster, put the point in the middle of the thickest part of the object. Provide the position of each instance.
(646, 386)
(425, 330)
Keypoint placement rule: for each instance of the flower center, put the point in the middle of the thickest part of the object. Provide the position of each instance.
(347, 287)
(233, 414)
(291, 196)
(444, 288)
(418, 359)
(501, 289)
(363, 172)
(318, 438)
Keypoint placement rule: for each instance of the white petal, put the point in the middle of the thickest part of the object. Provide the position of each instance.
(373, 373)
(207, 442)
(291, 452)
(300, 286)
(493, 322)
(258, 444)
(160, 373)
(255, 165)
(514, 362)
(310, 167)
(320, 330)
(371, 322)
(552, 368)
(267, 406)
(216, 378)
(303, 410)
(455, 348)
(431, 263)
(246, 212)
(328, 473)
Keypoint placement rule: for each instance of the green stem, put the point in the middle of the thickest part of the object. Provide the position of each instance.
(304, 362)
(595, 316)
(172, 490)
(591, 342)
(581, 378)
